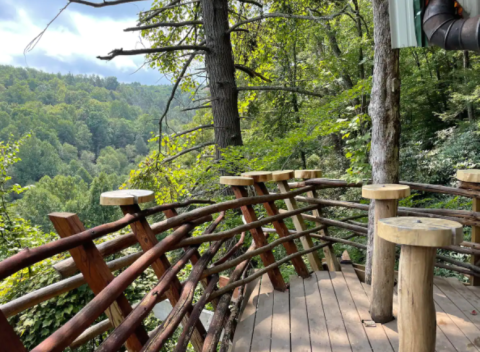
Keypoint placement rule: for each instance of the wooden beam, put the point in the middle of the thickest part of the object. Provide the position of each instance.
(147, 240)
(282, 230)
(10, 340)
(313, 258)
(97, 274)
(259, 237)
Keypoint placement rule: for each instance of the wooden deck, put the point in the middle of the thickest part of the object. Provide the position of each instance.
(325, 312)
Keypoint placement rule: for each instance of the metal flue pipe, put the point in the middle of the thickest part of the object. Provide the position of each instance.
(447, 30)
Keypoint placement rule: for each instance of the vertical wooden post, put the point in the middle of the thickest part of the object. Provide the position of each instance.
(128, 201)
(281, 177)
(97, 274)
(420, 238)
(259, 177)
(237, 184)
(383, 268)
(328, 252)
(472, 178)
(9, 339)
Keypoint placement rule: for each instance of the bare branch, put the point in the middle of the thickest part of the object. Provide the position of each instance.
(172, 96)
(163, 24)
(183, 152)
(30, 46)
(104, 3)
(241, 30)
(251, 2)
(286, 89)
(121, 52)
(172, 5)
(286, 15)
(203, 127)
(198, 107)
(252, 73)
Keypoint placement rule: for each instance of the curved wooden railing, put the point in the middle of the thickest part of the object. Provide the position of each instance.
(126, 320)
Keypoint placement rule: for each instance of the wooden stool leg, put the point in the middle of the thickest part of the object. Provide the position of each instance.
(260, 240)
(282, 231)
(416, 316)
(307, 243)
(475, 281)
(147, 240)
(383, 268)
(328, 252)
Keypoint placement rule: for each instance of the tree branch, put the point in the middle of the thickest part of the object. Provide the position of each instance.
(251, 72)
(285, 15)
(121, 52)
(186, 151)
(203, 127)
(104, 3)
(286, 89)
(163, 24)
(251, 2)
(172, 5)
(198, 107)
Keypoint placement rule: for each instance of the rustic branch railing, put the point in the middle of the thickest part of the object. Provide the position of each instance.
(216, 260)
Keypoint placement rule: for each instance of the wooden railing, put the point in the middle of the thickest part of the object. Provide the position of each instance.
(126, 319)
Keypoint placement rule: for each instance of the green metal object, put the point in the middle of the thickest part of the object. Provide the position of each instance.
(419, 9)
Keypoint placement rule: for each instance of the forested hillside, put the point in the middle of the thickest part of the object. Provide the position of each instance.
(86, 134)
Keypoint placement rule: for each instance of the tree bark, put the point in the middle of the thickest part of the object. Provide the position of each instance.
(384, 111)
(221, 73)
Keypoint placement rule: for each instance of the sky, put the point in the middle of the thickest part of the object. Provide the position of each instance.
(75, 39)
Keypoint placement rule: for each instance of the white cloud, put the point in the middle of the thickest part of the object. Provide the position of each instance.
(84, 37)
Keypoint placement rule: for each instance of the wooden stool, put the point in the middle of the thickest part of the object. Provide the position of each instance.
(259, 177)
(420, 238)
(238, 184)
(328, 252)
(281, 178)
(386, 203)
(471, 179)
(126, 197)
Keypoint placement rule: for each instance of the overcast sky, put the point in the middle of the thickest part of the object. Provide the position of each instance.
(73, 41)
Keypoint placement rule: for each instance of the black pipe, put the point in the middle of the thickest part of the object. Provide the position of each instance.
(447, 30)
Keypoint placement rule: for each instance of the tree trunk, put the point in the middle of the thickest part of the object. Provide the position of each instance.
(220, 68)
(466, 67)
(384, 111)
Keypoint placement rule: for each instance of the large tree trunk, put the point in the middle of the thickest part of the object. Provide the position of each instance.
(221, 74)
(384, 111)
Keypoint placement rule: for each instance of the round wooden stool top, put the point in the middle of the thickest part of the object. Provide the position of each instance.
(306, 174)
(126, 197)
(421, 232)
(471, 175)
(385, 191)
(236, 181)
(259, 176)
(283, 175)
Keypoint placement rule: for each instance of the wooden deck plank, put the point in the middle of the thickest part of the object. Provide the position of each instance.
(300, 335)
(263, 321)
(335, 326)
(470, 331)
(457, 299)
(353, 324)
(316, 317)
(390, 328)
(376, 335)
(244, 331)
(281, 322)
(465, 292)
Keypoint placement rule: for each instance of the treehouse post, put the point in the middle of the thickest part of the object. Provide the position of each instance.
(386, 203)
